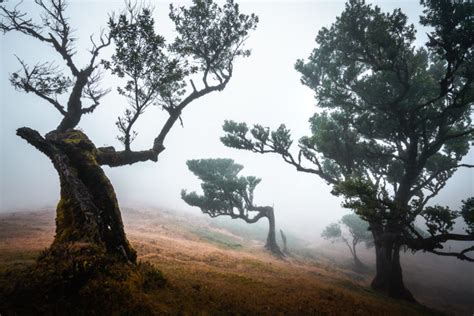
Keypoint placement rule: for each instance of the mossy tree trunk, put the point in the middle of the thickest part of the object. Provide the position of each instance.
(88, 211)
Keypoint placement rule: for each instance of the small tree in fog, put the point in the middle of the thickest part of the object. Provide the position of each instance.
(358, 230)
(285, 242)
(225, 193)
(394, 126)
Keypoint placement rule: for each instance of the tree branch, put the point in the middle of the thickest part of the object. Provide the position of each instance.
(16, 22)
(43, 80)
(176, 112)
(432, 243)
(108, 156)
(460, 255)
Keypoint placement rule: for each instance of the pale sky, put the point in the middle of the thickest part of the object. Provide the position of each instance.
(264, 89)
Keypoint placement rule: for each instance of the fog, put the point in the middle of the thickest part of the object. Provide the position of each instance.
(264, 89)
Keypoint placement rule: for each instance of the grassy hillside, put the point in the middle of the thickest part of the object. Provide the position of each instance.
(213, 267)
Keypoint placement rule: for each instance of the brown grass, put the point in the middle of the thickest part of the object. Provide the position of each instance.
(208, 277)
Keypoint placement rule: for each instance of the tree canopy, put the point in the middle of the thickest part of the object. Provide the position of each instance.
(209, 37)
(402, 116)
(224, 191)
(358, 229)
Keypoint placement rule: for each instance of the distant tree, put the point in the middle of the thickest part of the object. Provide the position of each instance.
(227, 194)
(359, 233)
(208, 39)
(394, 125)
(285, 245)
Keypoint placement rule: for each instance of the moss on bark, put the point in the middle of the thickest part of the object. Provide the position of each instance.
(88, 210)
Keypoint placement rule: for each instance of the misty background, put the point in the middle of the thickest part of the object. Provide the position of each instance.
(264, 89)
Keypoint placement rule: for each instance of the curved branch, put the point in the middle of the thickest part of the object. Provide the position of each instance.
(432, 243)
(460, 255)
(175, 113)
(255, 219)
(108, 156)
(288, 158)
(260, 142)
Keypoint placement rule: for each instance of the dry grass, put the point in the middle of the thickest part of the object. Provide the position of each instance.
(213, 271)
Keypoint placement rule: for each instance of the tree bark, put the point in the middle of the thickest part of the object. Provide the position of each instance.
(88, 211)
(271, 244)
(388, 279)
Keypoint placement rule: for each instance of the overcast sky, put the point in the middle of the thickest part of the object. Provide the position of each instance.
(264, 89)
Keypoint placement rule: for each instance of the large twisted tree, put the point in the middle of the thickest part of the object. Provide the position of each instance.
(208, 40)
(393, 126)
(225, 193)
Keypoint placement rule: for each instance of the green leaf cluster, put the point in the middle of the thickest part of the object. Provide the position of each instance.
(224, 191)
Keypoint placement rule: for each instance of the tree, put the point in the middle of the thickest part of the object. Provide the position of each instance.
(208, 40)
(393, 128)
(285, 244)
(358, 231)
(227, 194)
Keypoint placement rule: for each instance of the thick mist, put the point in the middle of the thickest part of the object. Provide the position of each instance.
(264, 89)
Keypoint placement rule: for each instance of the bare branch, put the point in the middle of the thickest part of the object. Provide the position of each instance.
(44, 80)
(105, 40)
(465, 165)
(15, 20)
(194, 87)
(93, 91)
(60, 31)
(175, 115)
(55, 30)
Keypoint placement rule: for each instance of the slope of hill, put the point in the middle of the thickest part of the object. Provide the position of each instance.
(213, 268)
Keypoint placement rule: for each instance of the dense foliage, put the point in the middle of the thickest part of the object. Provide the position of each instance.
(224, 192)
(393, 125)
(402, 116)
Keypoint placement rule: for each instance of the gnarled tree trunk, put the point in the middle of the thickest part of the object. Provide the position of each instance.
(271, 238)
(88, 211)
(388, 279)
